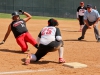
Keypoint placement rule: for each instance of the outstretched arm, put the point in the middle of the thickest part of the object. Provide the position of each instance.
(6, 35)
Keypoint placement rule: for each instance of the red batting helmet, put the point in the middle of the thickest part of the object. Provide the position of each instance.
(81, 2)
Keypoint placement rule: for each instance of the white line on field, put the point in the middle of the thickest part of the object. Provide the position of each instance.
(25, 71)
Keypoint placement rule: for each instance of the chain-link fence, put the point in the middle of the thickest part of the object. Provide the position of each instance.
(52, 8)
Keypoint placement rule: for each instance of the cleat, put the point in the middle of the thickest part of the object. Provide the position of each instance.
(61, 60)
(28, 59)
(98, 40)
(80, 38)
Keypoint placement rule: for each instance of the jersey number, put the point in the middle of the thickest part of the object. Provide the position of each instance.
(22, 25)
(46, 31)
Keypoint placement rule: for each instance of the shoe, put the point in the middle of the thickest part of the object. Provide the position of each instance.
(80, 38)
(98, 40)
(61, 60)
(28, 59)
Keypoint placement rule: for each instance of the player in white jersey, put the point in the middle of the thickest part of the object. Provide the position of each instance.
(80, 15)
(49, 40)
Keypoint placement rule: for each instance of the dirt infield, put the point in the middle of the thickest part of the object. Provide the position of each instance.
(86, 51)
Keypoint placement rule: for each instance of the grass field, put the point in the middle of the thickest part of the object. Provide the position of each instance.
(86, 51)
(3, 15)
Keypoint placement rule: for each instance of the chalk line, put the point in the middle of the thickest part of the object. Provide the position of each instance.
(25, 71)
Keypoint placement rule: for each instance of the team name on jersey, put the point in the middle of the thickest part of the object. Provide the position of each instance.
(82, 10)
(17, 23)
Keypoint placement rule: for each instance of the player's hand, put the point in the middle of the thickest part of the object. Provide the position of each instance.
(21, 11)
(2, 42)
(94, 25)
(89, 27)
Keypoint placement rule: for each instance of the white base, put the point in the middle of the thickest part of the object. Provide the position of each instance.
(75, 65)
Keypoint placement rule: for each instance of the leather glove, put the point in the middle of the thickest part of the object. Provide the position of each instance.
(21, 11)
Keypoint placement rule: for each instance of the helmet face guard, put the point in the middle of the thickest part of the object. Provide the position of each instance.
(52, 22)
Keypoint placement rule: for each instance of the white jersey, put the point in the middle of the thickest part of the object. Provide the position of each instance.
(49, 34)
(81, 11)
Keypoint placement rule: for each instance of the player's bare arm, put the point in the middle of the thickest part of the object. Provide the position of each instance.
(28, 16)
(6, 35)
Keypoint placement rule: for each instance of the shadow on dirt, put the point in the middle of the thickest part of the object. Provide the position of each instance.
(79, 40)
(70, 31)
(12, 51)
(74, 40)
(39, 62)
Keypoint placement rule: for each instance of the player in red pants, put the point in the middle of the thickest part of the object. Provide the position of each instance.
(20, 31)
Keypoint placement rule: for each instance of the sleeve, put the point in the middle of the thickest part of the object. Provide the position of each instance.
(39, 35)
(38, 38)
(78, 9)
(58, 35)
(97, 14)
(85, 16)
(85, 8)
(77, 12)
(58, 32)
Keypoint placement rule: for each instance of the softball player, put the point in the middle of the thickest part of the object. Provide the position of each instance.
(91, 18)
(95, 8)
(19, 29)
(49, 40)
(80, 14)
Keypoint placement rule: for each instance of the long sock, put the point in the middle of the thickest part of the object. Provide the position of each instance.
(61, 50)
(81, 27)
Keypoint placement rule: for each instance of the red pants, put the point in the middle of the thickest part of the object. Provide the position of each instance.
(23, 39)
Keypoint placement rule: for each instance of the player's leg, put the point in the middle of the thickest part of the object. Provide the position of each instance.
(81, 22)
(83, 32)
(42, 51)
(22, 43)
(61, 53)
(58, 45)
(30, 39)
(96, 32)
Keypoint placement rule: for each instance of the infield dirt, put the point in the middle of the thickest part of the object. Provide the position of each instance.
(86, 51)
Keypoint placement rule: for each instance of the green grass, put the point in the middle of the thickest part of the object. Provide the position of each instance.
(3, 15)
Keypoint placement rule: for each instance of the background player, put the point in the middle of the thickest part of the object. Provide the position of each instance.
(95, 8)
(91, 18)
(19, 29)
(80, 15)
(49, 39)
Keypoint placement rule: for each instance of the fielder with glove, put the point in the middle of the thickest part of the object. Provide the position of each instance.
(49, 40)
